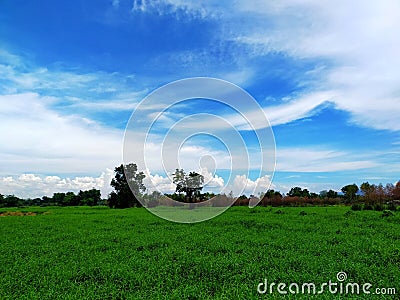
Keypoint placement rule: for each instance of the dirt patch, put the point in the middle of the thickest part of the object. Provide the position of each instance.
(21, 213)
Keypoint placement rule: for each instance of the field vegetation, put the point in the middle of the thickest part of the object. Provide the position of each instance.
(100, 253)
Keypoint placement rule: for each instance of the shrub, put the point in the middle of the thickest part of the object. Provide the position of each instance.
(387, 213)
(356, 206)
(368, 207)
(392, 207)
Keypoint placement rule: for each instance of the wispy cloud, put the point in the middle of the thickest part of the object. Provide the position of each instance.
(91, 90)
(357, 41)
(324, 160)
(356, 45)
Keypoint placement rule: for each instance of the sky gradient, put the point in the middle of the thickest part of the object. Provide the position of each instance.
(326, 74)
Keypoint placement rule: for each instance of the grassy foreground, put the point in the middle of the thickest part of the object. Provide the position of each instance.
(99, 253)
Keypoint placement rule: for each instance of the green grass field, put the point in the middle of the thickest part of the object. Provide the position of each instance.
(99, 253)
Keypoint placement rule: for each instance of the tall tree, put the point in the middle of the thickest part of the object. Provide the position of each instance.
(191, 184)
(350, 191)
(127, 183)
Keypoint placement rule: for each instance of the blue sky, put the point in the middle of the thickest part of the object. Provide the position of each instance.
(325, 74)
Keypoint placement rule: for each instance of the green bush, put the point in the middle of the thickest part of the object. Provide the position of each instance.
(387, 213)
(356, 206)
(368, 207)
(392, 207)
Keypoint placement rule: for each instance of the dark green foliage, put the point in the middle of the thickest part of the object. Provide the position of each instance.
(11, 201)
(190, 184)
(350, 192)
(356, 206)
(391, 206)
(298, 192)
(126, 179)
(331, 194)
(91, 197)
(348, 213)
(368, 207)
(387, 213)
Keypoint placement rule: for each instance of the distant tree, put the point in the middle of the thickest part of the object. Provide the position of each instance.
(90, 197)
(350, 192)
(323, 194)
(305, 193)
(58, 198)
(71, 199)
(11, 201)
(191, 184)
(396, 191)
(271, 197)
(298, 192)
(208, 195)
(331, 194)
(46, 201)
(295, 192)
(153, 199)
(125, 179)
(368, 191)
(379, 193)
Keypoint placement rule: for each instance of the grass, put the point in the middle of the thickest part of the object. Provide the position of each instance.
(99, 253)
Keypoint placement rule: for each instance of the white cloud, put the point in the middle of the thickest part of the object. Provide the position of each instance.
(356, 45)
(95, 91)
(32, 186)
(33, 137)
(212, 180)
(242, 185)
(358, 41)
(164, 184)
(179, 8)
(158, 183)
(313, 160)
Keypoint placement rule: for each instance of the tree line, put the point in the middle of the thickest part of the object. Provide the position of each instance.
(90, 197)
(188, 190)
(189, 187)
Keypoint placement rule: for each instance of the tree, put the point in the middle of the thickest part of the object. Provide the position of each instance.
(71, 199)
(58, 198)
(350, 191)
(396, 191)
(298, 192)
(191, 184)
(331, 194)
(10, 201)
(91, 197)
(295, 192)
(368, 192)
(127, 184)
